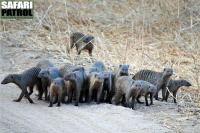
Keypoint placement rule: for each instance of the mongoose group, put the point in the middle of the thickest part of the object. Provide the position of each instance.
(72, 83)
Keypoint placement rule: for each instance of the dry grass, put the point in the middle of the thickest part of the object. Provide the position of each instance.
(150, 34)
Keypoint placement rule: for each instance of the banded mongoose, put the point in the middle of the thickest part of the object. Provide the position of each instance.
(146, 89)
(48, 75)
(107, 84)
(75, 82)
(44, 64)
(82, 42)
(28, 78)
(128, 87)
(95, 86)
(174, 85)
(122, 70)
(159, 79)
(56, 90)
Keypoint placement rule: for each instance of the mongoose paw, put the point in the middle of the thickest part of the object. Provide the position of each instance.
(76, 104)
(15, 100)
(141, 102)
(31, 102)
(40, 98)
(58, 105)
(98, 102)
(50, 105)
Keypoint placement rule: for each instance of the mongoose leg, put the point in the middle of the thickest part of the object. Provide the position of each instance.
(163, 92)
(99, 95)
(20, 97)
(51, 100)
(69, 96)
(30, 90)
(138, 97)
(133, 102)
(77, 97)
(151, 98)
(90, 95)
(27, 95)
(127, 101)
(40, 91)
(174, 94)
(116, 99)
(59, 99)
(146, 99)
(90, 52)
(156, 96)
(167, 95)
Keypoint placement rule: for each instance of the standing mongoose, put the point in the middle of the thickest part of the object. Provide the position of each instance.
(146, 89)
(48, 75)
(28, 78)
(56, 90)
(44, 64)
(107, 84)
(81, 42)
(75, 82)
(159, 79)
(122, 70)
(128, 87)
(95, 86)
(174, 85)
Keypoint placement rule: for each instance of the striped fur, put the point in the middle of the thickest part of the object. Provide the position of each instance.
(81, 42)
(174, 85)
(28, 78)
(44, 64)
(147, 89)
(128, 87)
(159, 79)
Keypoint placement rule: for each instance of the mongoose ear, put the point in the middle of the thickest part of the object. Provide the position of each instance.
(95, 75)
(48, 72)
(164, 69)
(128, 66)
(83, 69)
(75, 75)
(120, 66)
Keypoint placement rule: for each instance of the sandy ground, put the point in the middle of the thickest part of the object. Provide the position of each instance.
(20, 117)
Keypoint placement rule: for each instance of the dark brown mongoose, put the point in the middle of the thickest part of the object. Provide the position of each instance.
(82, 42)
(128, 87)
(28, 78)
(56, 90)
(95, 86)
(159, 79)
(146, 89)
(99, 65)
(122, 70)
(75, 82)
(48, 75)
(174, 85)
(107, 85)
(44, 64)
